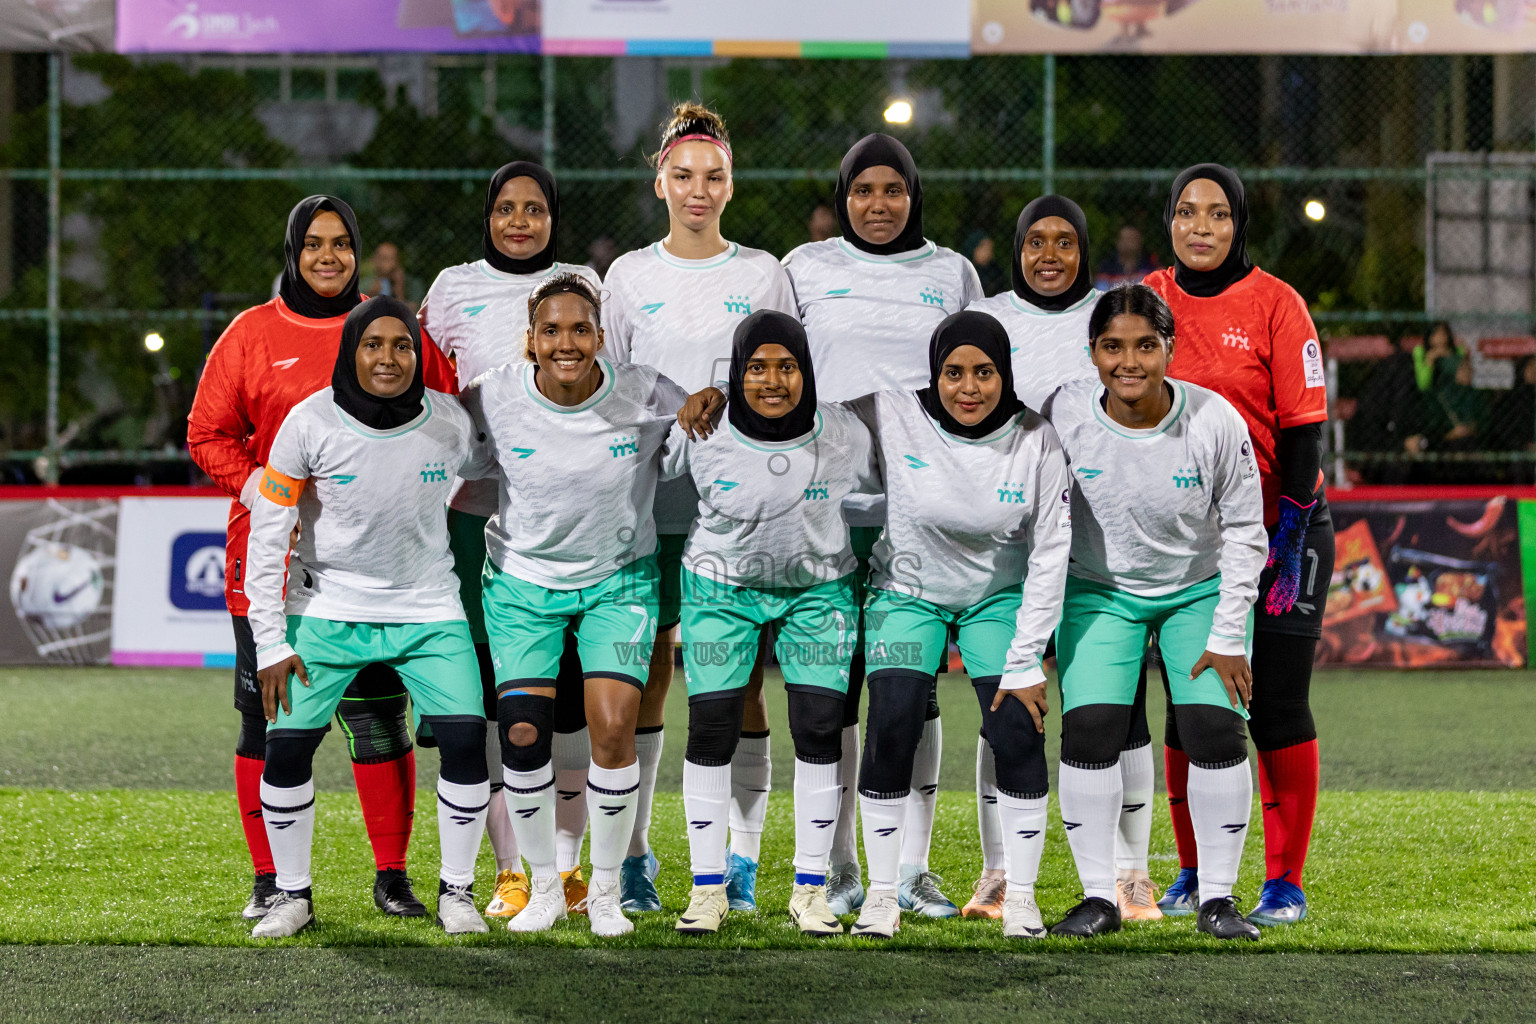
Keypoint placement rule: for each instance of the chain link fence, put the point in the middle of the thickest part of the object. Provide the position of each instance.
(175, 177)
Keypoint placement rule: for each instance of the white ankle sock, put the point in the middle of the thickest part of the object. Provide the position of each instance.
(751, 779)
(1090, 808)
(612, 799)
(498, 826)
(988, 823)
(1023, 827)
(1135, 827)
(923, 800)
(882, 838)
(530, 798)
(572, 753)
(461, 812)
(845, 834)
(1220, 801)
(289, 814)
(816, 797)
(648, 755)
(706, 808)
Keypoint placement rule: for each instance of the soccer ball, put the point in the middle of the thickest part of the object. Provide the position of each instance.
(57, 585)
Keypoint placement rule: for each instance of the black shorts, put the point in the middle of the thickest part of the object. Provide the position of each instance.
(1306, 617)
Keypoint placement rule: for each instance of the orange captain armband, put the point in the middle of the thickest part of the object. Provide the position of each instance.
(279, 489)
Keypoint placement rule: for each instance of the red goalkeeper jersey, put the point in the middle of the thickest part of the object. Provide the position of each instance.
(1255, 346)
(268, 360)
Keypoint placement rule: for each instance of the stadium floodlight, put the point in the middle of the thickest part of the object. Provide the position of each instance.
(153, 341)
(1315, 210)
(899, 112)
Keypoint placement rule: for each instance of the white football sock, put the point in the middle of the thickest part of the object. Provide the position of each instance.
(816, 799)
(1023, 826)
(922, 801)
(572, 754)
(706, 808)
(845, 834)
(648, 755)
(498, 824)
(1220, 801)
(991, 828)
(882, 838)
(751, 779)
(530, 799)
(289, 814)
(1135, 829)
(613, 795)
(1090, 808)
(461, 812)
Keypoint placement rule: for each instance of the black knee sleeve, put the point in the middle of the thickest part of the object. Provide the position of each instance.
(372, 714)
(252, 741)
(1093, 735)
(1018, 748)
(932, 710)
(1281, 712)
(461, 740)
(1213, 737)
(291, 756)
(1139, 734)
(855, 689)
(487, 680)
(570, 690)
(816, 724)
(1170, 717)
(892, 730)
(514, 707)
(714, 727)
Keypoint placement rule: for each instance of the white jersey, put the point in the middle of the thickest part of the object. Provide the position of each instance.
(373, 543)
(478, 316)
(680, 317)
(770, 513)
(1049, 349)
(577, 483)
(1164, 508)
(966, 519)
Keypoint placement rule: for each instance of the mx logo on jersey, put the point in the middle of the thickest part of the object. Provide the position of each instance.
(1235, 337)
(932, 297)
(738, 304)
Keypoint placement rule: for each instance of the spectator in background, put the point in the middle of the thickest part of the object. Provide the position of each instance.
(601, 254)
(982, 253)
(387, 276)
(1512, 421)
(1439, 343)
(1130, 263)
(822, 224)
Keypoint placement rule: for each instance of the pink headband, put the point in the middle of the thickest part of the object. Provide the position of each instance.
(700, 137)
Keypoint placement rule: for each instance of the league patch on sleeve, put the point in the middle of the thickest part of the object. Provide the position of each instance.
(1064, 516)
(1248, 466)
(1312, 364)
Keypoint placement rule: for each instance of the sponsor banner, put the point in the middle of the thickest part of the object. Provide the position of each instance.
(1434, 582)
(169, 607)
(58, 559)
(334, 26)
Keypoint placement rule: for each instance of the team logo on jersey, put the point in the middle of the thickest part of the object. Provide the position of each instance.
(726, 485)
(1011, 494)
(651, 308)
(622, 446)
(838, 291)
(1088, 474)
(434, 472)
(342, 479)
(1188, 477)
(738, 304)
(475, 310)
(523, 453)
(915, 462)
(1235, 337)
(932, 297)
(283, 364)
(817, 491)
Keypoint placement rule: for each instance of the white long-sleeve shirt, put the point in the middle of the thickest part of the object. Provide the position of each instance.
(1164, 508)
(967, 518)
(478, 316)
(1048, 349)
(770, 513)
(577, 483)
(373, 543)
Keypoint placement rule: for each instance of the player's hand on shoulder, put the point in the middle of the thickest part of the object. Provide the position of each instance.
(701, 413)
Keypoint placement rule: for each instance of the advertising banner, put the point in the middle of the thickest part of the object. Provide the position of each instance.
(58, 560)
(169, 608)
(1433, 582)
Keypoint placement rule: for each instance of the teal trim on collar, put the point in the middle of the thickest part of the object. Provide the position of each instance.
(381, 435)
(778, 446)
(501, 275)
(1093, 296)
(996, 435)
(1174, 412)
(731, 249)
(926, 251)
(596, 396)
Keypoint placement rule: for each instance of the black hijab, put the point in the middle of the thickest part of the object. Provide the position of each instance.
(295, 291)
(880, 151)
(348, 392)
(770, 327)
(1205, 284)
(545, 257)
(1082, 284)
(982, 330)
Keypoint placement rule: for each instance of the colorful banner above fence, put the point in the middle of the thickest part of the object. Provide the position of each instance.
(334, 26)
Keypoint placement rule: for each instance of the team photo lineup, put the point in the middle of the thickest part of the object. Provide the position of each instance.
(499, 522)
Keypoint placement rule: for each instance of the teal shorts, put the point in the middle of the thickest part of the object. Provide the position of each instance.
(722, 630)
(1103, 636)
(669, 566)
(907, 634)
(436, 661)
(466, 540)
(614, 621)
